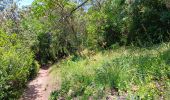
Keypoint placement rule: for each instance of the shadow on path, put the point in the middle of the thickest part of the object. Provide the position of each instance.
(37, 88)
(32, 93)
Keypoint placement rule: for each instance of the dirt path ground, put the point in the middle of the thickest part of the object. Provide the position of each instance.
(39, 88)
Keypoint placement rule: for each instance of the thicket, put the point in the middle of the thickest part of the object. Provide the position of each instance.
(137, 22)
(17, 66)
(57, 33)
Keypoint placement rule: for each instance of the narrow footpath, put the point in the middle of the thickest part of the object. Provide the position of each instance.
(39, 88)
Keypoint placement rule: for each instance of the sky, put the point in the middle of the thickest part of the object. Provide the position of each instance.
(25, 3)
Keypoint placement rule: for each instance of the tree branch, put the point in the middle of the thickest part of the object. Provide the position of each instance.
(78, 7)
(74, 10)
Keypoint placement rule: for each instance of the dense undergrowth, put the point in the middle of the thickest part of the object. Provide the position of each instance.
(17, 66)
(128, 72)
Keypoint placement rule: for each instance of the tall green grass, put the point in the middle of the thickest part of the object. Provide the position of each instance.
(129, 72)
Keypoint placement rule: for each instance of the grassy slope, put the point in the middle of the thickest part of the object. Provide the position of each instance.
(126, 72)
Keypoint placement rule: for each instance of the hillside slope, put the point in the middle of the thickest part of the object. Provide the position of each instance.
(124, 72)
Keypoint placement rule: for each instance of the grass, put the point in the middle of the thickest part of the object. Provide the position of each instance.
(128, 72)
(54, 77)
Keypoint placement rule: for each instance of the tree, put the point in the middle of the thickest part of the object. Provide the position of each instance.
(5, 3)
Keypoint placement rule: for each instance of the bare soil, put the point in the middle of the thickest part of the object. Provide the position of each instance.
(41, 87)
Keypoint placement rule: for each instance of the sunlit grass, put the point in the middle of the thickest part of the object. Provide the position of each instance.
(136, 72)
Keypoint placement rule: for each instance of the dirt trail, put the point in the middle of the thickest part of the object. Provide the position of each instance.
(39, 88)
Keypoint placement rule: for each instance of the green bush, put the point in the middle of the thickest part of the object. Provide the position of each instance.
(137, 22)
(149, 22)
(34, 69)
(15, 64)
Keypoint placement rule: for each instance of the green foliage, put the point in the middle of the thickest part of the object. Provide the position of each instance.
(141, 23)
(34, 69)
(140, 74)
(116, 73)
(55, 35)
(95, 36)
(108, 25)
(149, 22)
(54, 31)
(15, 63)
(49, 30)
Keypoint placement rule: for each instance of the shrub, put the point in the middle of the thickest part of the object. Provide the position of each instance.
(15, 64)
(137, 22)
(34, 69)
(149, 22)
